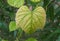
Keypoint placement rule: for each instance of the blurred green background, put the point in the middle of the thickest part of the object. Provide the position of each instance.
(51, 31)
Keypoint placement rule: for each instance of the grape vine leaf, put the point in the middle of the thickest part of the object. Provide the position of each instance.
(30, 21)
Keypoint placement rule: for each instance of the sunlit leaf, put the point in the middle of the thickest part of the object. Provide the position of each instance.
(30, 21)
(15, 3)
(12, 26)
(35, 0)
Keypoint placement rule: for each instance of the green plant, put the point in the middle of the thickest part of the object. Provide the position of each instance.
(29, 20)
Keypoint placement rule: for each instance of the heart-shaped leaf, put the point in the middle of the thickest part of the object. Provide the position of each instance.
(15, 3)
(30, 21)
(35, 0)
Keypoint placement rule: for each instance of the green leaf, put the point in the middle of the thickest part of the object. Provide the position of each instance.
(35, 0)
(31, 39)
(15, 3)
(12, 26)
(30, 21)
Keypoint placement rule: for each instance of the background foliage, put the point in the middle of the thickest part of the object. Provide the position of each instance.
(51, 31)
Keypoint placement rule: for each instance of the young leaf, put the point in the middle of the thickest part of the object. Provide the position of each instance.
(12, 26)
(30, 21)
(35, 0)
(31, 39)
(15, 3)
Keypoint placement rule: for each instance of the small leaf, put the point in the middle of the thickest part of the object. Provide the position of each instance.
(31, 39)
(15, 3)
(30, 21)
(12, 26)
(35, 0)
